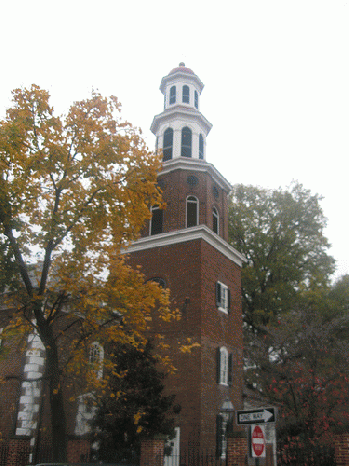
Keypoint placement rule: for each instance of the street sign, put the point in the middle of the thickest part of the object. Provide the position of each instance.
(256, 416)
(258, 441)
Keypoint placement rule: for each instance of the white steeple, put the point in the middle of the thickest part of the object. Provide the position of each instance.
(181, 129)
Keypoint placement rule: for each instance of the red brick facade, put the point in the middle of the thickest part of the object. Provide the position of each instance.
(191, 261)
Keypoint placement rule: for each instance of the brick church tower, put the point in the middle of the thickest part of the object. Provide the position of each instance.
(185, 248)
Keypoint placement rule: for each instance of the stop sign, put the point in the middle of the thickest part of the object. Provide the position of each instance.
(258, 441)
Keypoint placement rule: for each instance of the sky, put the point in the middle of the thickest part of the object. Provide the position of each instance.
(276, 75)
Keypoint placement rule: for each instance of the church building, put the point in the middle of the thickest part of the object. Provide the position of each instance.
(185, 248)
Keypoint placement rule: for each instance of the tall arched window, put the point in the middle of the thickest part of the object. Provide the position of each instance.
(185, 94)
(173, 95)
(192, 211)
(167, 146)
(215, 221)
(196, 99)
(186, 142)
(201, 147)
(156, 220)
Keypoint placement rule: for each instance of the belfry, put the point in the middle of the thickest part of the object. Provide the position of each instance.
(185, 248)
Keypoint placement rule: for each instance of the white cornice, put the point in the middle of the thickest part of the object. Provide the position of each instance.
(178, 75)
(188, 234)
(175, 113)
(197, 165)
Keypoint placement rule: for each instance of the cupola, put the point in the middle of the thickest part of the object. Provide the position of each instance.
(181, 129)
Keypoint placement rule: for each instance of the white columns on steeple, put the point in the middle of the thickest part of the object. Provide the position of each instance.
(181, 129)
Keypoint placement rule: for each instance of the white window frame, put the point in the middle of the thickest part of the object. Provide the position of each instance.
(215, 215)
(223, 366)
(223, 304)
(192, 200)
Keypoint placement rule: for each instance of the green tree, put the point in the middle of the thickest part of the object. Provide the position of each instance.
(281, 234)
(74, 190)
(134, 406)
(301, 366)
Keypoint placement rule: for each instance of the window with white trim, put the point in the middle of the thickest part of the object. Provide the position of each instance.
(156, 220)
(222, 297)
(167, 146)
(215, 221)
(192, 211)
(173, 95)
(185, 94)
(223, 368)
(95, 359)
(196, 99)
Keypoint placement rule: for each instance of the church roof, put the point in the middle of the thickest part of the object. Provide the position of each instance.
(182, 67)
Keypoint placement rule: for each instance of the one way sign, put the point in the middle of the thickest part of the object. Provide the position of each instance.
(256, 416)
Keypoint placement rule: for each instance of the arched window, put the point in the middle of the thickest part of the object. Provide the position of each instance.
(215, 221)
(95, 359)
(186, 142)
(173, 95)
(185, 94)
(192, 211)
(156, 220)
(201, 147)
(196, 99)
(167, 146)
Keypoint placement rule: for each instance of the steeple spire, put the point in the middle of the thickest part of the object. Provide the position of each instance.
(181, 129)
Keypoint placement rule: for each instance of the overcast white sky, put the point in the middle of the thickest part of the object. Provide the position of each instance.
(276, 78)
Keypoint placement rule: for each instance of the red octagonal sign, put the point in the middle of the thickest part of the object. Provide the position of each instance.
(258, 441)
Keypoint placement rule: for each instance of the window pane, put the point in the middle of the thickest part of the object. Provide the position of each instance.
(156, 221)
(201, 147)
(186, 142)
(173, 95)
(167, 145)
(192, 212)
(185, 96)
(196, 99)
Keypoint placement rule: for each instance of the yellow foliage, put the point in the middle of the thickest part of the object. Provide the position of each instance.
(74, 191)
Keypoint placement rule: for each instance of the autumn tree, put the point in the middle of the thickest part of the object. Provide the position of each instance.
(280, 232)
(74, 190)
(134, 406)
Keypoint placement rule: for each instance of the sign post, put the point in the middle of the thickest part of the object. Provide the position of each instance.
(258, 449)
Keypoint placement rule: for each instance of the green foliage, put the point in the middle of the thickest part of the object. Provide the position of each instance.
(134, 405)
(281, 234)
(301, 366)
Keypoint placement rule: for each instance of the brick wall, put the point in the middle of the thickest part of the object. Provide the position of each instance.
(342, 449)
(18, 451)
(152, 452)
(191, 270)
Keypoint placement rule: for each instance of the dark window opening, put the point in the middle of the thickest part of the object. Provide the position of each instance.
(156, 221)
(215, 221)
(186, 142)
(201, 147)
(173, 95)
(196, 99)
(185, 94)
(167, 147)
(192, 211)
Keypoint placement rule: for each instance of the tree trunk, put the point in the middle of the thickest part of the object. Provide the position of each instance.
(58, 417)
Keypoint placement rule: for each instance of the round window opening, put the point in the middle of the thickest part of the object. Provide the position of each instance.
(192, 180)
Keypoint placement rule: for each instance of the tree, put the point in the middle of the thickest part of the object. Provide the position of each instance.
(134, 405)
(281, 234)
(74, 190)
(301, 366)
